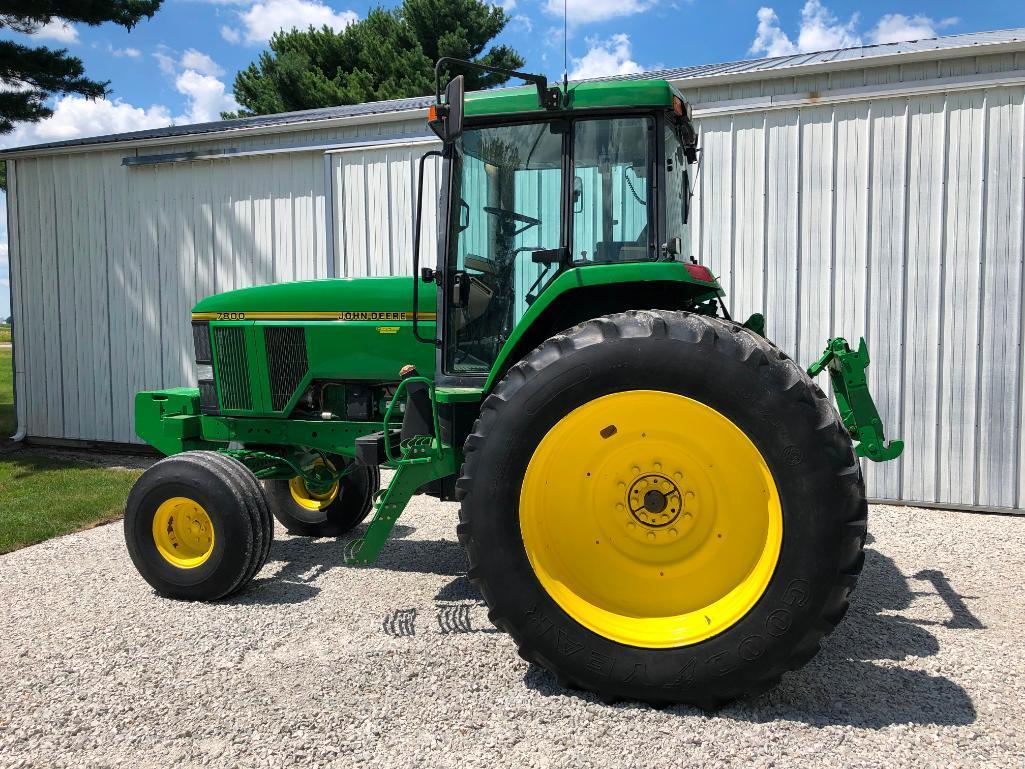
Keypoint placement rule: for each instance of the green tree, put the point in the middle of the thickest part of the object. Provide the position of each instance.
(388, 55)
(30, 75)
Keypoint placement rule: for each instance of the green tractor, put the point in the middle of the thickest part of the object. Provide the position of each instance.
(656, 502)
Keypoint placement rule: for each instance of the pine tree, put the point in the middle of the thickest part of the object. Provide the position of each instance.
(29, 75)
(388, 55)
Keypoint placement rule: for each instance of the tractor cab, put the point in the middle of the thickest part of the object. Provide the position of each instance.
(543, 181)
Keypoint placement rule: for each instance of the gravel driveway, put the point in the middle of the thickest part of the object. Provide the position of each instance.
(397, 665)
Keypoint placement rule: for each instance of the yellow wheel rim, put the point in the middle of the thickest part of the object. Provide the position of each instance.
(312, 500)
(651, 519)
(183, 532)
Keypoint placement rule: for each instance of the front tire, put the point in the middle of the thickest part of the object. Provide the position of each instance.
(197, 526)
(661, 506)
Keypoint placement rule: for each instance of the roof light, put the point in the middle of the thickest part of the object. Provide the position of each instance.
(678, 105)
(432, 113)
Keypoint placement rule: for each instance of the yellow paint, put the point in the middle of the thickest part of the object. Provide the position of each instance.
(312, 500)
(183, 532)
(651, 519)
(335, 315)
(387, 329)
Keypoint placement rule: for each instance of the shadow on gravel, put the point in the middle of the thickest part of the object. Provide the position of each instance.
(843, 684)
(305, 560)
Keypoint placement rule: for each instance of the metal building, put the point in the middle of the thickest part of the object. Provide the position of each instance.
(874, 190)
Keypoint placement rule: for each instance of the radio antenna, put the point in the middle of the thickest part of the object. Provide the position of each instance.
(565, 51)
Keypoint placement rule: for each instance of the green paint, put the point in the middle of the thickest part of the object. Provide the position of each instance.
(327, 295)
(854, 402)
(625, 93)
(592, 276)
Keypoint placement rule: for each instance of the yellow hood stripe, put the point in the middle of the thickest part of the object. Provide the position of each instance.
(334, 315)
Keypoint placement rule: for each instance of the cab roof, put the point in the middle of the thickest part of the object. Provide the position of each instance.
(592, 95)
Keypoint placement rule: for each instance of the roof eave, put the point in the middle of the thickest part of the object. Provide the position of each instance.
(876, 60)
(39, 150)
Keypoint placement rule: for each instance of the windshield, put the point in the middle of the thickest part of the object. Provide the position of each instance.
(506, 239)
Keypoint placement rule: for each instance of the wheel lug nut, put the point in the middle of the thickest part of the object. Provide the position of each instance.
(673, 532)
(658, 465)
(651, 535)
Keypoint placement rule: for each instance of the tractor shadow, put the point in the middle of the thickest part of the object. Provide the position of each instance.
(844, 684)
(302, 561)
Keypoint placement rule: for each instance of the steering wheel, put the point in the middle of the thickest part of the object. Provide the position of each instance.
(506, 216)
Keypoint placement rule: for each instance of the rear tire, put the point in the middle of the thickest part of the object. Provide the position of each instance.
(581, 625)
(197, 526)
(338, 513)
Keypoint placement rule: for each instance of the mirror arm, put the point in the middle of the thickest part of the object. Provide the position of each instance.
(549, 98)
(416, 249)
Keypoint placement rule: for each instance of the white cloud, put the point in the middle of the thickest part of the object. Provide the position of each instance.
(167, 63)
(770, 38)
(57, 30)
(231, 34)
(207, 97)
(265, 17)
(200, 62)
(821, 30)
(605, 57)
(896, 27)
(75, 117)
(588, 11)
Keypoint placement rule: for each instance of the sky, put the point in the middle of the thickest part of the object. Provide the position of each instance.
(178, 67)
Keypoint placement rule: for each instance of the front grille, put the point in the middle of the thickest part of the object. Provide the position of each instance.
(233, 368)
(286, 362)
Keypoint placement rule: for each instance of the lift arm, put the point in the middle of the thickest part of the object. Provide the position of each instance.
(853, 400)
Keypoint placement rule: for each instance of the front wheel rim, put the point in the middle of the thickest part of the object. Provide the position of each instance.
(307, 498)
(651, 519)
(183, 532)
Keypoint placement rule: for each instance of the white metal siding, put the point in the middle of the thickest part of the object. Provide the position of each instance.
(107, 259)
(899, 219)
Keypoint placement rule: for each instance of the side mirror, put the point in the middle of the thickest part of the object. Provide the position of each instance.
(446, 120)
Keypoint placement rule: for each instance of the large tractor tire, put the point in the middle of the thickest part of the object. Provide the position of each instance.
(197, 526)
(329, 513)
(662, 506)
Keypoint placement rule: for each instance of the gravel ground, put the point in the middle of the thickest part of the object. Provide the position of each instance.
(317, 664)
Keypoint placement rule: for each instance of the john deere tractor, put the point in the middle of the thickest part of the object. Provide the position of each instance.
(656, 502)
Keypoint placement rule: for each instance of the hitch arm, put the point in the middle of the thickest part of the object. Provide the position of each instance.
(857, 409)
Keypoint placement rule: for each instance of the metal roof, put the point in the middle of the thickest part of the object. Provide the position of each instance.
(961, 45)
(856, 55)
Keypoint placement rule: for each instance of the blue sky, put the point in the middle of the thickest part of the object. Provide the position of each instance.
(178, 66)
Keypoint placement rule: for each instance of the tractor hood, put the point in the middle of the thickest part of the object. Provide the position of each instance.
(364, 298)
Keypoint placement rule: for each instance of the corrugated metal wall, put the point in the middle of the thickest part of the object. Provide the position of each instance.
(107, 259)
(897, 218)
(900, 219)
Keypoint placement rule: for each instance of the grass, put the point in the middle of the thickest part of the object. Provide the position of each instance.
(5, 333)
(43, 497)
(6, 394)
